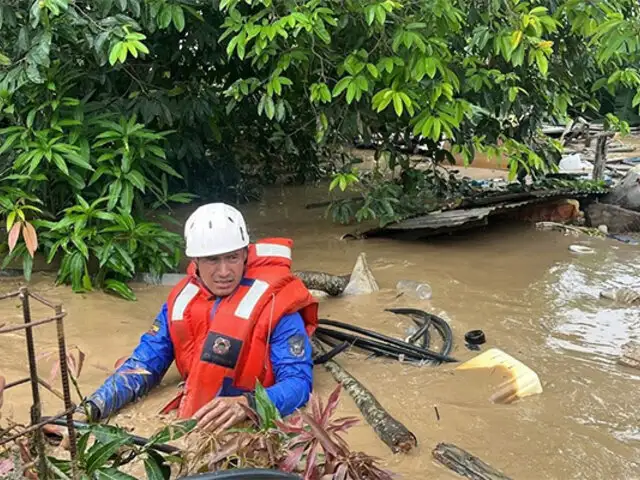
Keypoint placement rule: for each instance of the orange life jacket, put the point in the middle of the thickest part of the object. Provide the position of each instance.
(230, 338)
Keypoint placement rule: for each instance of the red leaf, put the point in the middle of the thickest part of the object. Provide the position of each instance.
(316, 407)
(76, 365)
(6, 467)
(14, 233)
(343, 424)
(3, 382)
(293, 459)
(292, 426)
(54, 372)
(332, 404)
(310, 472)
(321, 435)
(341, 472)
(30, 238)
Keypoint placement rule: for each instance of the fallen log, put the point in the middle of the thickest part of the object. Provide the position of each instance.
(334, 285)
(389, 430)
(465, 464)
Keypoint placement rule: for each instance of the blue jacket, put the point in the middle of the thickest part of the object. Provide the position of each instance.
(154, 353)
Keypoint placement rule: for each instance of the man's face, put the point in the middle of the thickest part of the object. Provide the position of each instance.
(222, 273)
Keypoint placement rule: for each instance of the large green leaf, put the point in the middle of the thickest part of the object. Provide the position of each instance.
(111, 473)
(172, 432)
(101, 455)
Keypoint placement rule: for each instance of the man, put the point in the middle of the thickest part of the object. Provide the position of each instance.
(239, 316)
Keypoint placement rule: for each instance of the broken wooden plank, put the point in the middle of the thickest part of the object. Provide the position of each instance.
(465, 464)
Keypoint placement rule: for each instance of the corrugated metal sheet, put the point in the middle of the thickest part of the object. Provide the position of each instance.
(454, 218)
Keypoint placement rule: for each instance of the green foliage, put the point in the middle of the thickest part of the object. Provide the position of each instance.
(128, 104)
(103, 449)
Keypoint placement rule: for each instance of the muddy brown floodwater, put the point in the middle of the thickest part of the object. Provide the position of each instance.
(533, 298)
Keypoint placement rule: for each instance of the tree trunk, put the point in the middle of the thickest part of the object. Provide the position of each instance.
(465, 464)
(601, 158)
(388, 429)
(334, 285)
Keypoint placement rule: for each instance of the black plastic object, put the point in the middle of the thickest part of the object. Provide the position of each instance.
(475, 337)
(248, 473)
(343, 335)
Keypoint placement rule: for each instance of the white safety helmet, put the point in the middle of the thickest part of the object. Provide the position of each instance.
(214, 229)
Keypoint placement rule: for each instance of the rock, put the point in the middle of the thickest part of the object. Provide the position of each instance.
(603, 228)
(627, 296)
(362, 280)
(626, 194)
(617, 219)
(630, 355)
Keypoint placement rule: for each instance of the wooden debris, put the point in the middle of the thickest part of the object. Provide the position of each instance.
(465, 464)
(334, 285)
(630, 356)
(388, 429)
(569, 229)
(601, 157)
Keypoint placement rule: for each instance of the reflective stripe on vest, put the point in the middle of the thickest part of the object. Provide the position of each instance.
(251, 299)
(187, 294)
(273, 250)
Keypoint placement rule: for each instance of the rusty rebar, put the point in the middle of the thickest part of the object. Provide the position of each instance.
(30, 325)
(40, 381)
(16, 383)
(66, 391)
(9, 295)
(44, 301)
(36, 408)
(36, 426)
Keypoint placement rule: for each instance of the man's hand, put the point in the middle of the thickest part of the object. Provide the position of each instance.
(221, 413)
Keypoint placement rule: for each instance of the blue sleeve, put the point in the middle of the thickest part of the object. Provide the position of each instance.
(154, 354)
(292, 363)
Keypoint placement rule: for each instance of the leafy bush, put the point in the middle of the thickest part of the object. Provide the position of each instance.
(139, 101)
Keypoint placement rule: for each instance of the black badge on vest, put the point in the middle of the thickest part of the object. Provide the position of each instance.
(221, 350)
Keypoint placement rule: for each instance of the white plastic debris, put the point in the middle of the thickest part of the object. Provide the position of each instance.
(362, 280)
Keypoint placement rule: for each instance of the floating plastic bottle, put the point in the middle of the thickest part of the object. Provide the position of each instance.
(416, 289)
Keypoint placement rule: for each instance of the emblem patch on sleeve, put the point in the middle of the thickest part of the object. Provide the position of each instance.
(155, 328)
(297, 345)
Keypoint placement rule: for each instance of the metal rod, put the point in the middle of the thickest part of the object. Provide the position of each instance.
(30, 325)
(9, 295)
(40, 381)
(35, 391)
(35, 427)
(17, 382)
(66, 391)
(44, 301)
